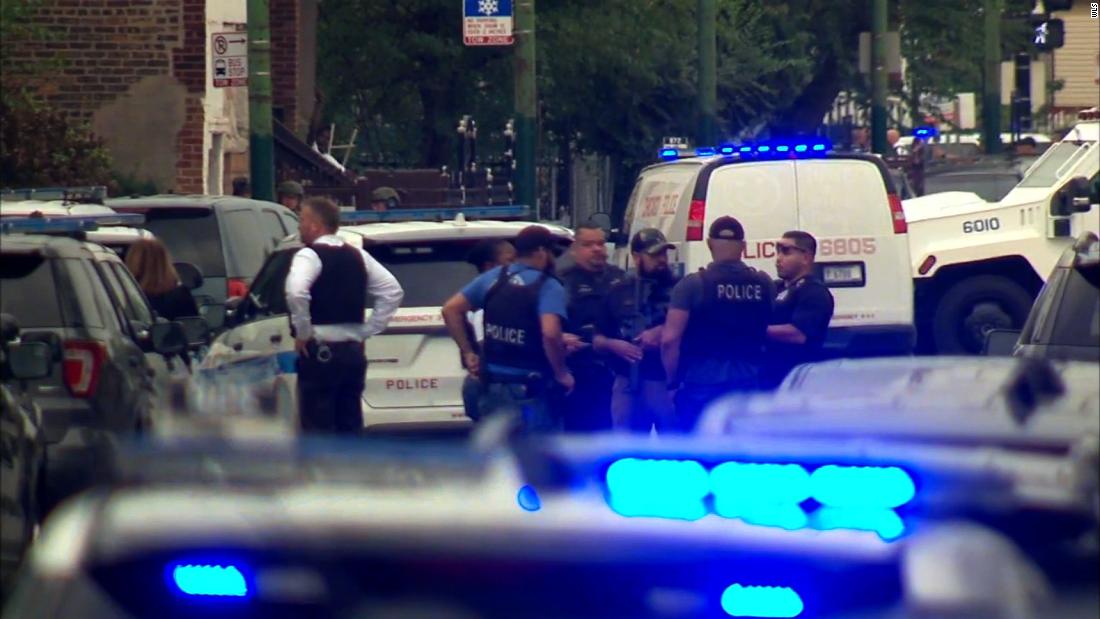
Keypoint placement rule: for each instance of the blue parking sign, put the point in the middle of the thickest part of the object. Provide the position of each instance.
(487, 22)
(487, 8)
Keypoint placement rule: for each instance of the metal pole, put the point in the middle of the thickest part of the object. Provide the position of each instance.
(526, 104)
(708, 82)
(878, 76)
(991, 100)
(261, 145)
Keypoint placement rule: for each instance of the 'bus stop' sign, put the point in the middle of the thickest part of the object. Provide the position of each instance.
(229, 58)
(487, 22)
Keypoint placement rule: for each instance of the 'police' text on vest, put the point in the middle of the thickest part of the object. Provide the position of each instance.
(740, 292)
(507, 335)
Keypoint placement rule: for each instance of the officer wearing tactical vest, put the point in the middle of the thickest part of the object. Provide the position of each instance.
(714, 333)
(587, 283)
(326, 293)
(523, 349)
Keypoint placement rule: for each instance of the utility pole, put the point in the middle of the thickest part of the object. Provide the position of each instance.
(708, 81)
(526, 104)
(991, 98)
(878, 76)
(261, 144)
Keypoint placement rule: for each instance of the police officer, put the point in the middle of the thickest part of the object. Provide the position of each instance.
(714, 334)
(290, 195)
(633, 316)
(484, 256)
(384, 199)
(587, 283)
(326, 292)
(803, 308)
(523, 353)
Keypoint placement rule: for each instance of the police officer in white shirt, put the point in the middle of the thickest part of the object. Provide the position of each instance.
(326, 293)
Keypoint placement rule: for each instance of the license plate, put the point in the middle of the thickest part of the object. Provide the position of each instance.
(843, 274)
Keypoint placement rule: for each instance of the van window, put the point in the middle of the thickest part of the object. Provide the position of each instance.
(27, 291)
(248, 242)
(1055, 164)
(842, 197)
(762, 196)
(191, 235)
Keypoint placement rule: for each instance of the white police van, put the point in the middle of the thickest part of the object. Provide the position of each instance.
(847, 201)
(414, 371)
(978, 266)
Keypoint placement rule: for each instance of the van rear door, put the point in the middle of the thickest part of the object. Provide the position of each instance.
(844, 203)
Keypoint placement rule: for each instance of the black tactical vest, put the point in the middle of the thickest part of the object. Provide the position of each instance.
(339, 295)
(513, 332)
(732, 321)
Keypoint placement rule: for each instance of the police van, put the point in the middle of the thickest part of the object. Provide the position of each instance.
(978, 266)
(847, 201)
(414, 372)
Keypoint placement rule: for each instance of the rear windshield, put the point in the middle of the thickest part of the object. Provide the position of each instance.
(27, 291)
(191, 236)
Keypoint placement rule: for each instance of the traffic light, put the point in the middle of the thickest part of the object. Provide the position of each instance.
(1050, 34)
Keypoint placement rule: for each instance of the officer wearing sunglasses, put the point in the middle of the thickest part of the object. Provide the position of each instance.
(802, 311)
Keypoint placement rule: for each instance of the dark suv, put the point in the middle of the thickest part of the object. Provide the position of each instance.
(109, 352)
(226, 237)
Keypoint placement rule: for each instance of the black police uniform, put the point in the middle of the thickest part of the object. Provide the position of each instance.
(588, 407)
(807, 304)
(331, 375)
(730, 305)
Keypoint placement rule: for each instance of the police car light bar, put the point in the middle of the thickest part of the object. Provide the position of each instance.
(925, 132)
(770, 148)
(517, 212)
(209, 580)
(669, 154)
(85, 223)
(73, 194)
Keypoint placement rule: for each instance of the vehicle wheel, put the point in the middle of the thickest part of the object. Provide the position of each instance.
(973, 307)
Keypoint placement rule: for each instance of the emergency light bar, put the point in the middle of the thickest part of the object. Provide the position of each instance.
(69, 194)
(925, 132)
(208, 580)
(436, 214)
(83, 223)
(769, 148)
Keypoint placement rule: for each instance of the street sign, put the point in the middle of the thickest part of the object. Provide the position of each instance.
(229, 59)
(487, 22)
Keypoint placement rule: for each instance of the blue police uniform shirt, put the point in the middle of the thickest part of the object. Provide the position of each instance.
(551, 297)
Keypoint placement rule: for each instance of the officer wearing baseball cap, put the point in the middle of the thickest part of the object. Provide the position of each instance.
(290, 195)
(633, 316)
(522, 361)
(713, 338)
(384, 199)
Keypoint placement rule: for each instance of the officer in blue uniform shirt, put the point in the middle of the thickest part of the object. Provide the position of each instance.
(522, 365)
(803, 309)
(326, 293)
(587, 283)
(713, 338)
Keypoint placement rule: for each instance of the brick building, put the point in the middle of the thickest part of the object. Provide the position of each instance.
(140, 72)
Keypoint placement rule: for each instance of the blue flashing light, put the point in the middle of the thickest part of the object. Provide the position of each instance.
(669, 154)
(659, 488)
(745, 149)
(801, 148)
(728, 149)
(819, 148)
(925, 132)
(66, 223)
(435, 214)
(783, 148)
(787, 516)
(528, 499)
(886, 522)
(704, 151)
(210, 580)
(862, 486)
(750, 601)
(760, 483)
(763, 148)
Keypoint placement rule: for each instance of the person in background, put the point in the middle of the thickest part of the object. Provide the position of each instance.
(151, 265)
(242, 188)
(384, 199)
(290, 195)
(892, 137)
(485, 256)
(861, 140)
(803, 309)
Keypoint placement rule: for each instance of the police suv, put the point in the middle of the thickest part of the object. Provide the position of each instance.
(847, 201)
(414, 371)
(978, 265)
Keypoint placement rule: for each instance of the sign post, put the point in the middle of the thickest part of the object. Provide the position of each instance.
(487, 22)
(229, 53)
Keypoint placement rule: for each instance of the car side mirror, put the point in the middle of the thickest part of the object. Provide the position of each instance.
(189, 274)
(168, 338)
(9, 327)
(1000, 342)
(29, 360)
(1072, 198)
(215, 315)
(195, 330)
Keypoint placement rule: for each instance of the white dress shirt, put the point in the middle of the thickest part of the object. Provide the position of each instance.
(304, 270)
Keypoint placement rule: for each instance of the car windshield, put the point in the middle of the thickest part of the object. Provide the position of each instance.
(1054, 164)
(191, 235)
(28, 292)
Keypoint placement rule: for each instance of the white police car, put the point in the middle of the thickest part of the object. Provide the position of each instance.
(414, 374)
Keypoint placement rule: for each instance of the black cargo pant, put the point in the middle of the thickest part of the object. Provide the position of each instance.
(588, 407)
(331, 377)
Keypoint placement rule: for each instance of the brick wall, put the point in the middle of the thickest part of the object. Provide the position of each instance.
(107, 46)
(285, 52)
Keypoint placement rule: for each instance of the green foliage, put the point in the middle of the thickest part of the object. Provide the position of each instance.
(40, 146)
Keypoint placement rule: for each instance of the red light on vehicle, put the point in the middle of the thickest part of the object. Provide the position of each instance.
(81, 365)
(236, 288)
(897, 215)
(927, 265)
(696, 214)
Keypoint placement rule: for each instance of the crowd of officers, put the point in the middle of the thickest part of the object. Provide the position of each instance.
(595, 348)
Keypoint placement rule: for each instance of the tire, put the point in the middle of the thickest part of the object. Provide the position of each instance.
(972, 307)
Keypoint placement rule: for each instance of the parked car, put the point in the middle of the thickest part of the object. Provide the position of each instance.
(22, 445)
(226, 237)
(109, 352)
